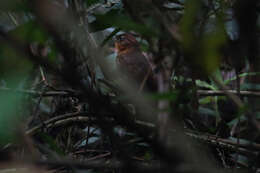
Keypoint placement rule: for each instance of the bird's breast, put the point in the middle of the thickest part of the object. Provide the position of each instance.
(133, 64)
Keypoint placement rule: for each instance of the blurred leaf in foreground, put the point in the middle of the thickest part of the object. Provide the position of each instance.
(13, 71)
(170, 96)
(9, 118)
(12, 66)
(29, 32)
(91, 2)
(202, 48)
(114, 18)
(13, 5)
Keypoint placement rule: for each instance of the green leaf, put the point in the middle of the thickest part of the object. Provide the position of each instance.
(12, 66)
(115, 18)
(13, 70)
(207, 111)
(211, 44)
(206, 100)
(243, 160)
(241, 141)
(171, 96)
(148, 156)
(201, 48)
(187, 23)
(257, 115)
(250, 86)
(9, 117)
(14, 5)
(110, 36)
(218, 75)
(236, 120)
(29, 32)
(51, 143)
(91, 2)
(205, 84)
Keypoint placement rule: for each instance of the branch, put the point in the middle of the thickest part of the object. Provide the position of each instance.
(205, 138)
(59, 120)
(40, 94)
(223, 93)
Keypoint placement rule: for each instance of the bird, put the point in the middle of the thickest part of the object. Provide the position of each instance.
(132, 62)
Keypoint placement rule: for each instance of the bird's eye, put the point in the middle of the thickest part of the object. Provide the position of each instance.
(121, 38)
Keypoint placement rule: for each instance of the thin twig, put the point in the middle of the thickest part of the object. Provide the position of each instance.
(145, 79)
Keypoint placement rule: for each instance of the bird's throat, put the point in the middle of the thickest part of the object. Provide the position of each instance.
(126, 50)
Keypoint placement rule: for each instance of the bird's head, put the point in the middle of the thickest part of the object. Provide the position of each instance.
(125, 42)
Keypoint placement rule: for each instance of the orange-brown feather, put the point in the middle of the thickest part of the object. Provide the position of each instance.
(130, 59)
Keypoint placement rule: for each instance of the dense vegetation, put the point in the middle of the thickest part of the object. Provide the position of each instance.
(66, 107)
